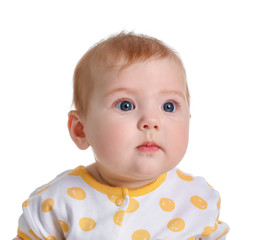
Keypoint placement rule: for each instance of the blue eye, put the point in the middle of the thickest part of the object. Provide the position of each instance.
(125, 106)
(169, 107)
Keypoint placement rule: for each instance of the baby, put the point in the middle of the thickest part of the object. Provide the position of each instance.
(133, 109)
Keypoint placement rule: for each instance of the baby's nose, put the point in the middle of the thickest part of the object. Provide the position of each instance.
(148, 124)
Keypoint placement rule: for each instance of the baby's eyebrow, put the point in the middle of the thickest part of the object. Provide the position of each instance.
(173, 92)
(121, 89)
(136, 91)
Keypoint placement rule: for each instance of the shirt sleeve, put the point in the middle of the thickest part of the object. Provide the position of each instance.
(39, 221)
(219, 230)
(39, 218)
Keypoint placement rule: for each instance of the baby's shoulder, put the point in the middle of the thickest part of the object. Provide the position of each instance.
(61, 182)
(192, 185)
(185, 177)
(196, 201)
(192, 193)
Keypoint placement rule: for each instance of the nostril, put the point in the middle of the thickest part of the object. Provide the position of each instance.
(146, 126)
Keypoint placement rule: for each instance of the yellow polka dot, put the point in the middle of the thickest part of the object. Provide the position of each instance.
(50, 238)
(184, 176)
(133, 205)
(166, 204)
(199, 202)
(207, 231)
(141, 235)
(76, 193)
(47, 205)
(119, 217)
(176, 225)
(64, 226)
(25, 203)
(42, 190)
(87, 224)
(191, 238)
(119, 201)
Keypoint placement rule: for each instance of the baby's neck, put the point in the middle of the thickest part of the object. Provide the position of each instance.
(95, 173)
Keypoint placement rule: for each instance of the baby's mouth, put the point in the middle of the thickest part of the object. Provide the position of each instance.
(148, 147)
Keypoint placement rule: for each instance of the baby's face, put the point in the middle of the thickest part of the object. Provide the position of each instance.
(138, 120)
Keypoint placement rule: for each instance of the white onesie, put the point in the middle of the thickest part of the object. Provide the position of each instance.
(75, 206)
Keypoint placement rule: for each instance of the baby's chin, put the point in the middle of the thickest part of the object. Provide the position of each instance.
(156, 166)
(147, 171)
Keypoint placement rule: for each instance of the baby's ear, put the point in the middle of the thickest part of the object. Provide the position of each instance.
(76, 130)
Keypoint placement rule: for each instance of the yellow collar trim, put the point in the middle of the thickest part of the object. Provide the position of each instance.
(118, 191)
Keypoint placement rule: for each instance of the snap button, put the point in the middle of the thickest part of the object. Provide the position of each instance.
(119, 202)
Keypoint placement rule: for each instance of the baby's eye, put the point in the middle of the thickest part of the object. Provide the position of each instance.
(125, 105)
(169, 107)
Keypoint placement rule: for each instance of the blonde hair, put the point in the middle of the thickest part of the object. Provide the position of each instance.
(122, 49)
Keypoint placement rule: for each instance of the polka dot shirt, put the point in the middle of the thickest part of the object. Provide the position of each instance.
(77, 207)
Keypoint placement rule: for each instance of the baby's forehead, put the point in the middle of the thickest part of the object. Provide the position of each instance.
(139, 74)
(123, 67)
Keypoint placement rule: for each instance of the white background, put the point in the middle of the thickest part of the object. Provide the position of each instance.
(41, 42)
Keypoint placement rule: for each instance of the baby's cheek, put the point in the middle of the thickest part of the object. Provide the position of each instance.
(178, 140)
(109, 140)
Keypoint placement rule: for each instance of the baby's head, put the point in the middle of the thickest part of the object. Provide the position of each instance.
(132, 108)
(119, 51)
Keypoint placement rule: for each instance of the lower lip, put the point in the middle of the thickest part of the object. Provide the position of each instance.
(151, 148)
